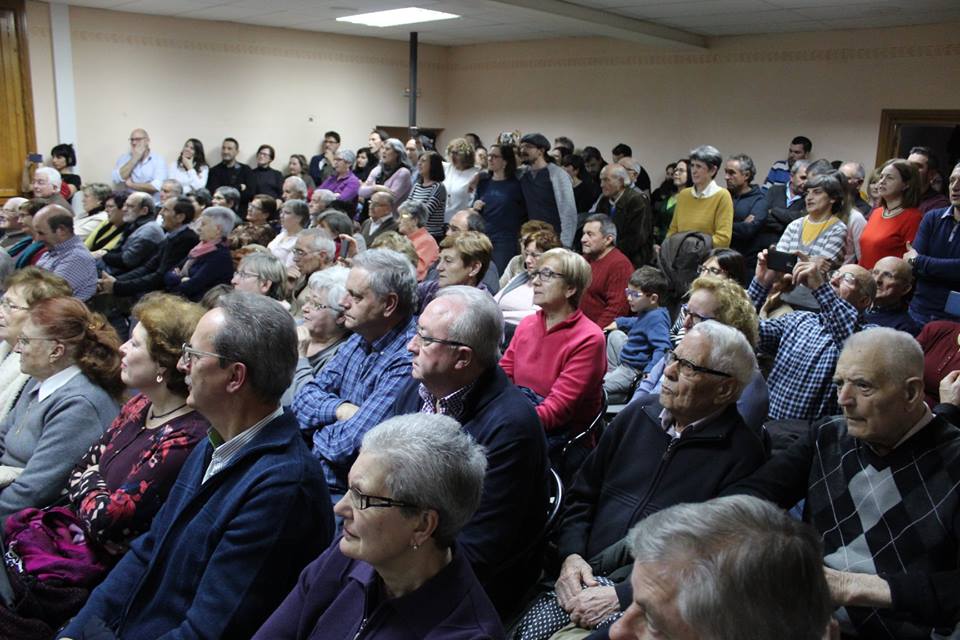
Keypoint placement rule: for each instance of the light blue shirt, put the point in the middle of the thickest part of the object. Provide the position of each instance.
(151, 169)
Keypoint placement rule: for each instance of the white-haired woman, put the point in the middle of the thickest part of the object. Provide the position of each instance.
(396, 572)
(322, 322)
(208, 263)
(392, 174)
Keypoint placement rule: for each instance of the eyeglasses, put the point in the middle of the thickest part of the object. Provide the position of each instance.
(299, 253)
(190, 355)
(313, 304)
(247, 274)
(426, 341)
(697, 318)
(633, 294)
(714, 271)
(8, 306)
(361, 501)
(884, 274)
(547, 274)
(689, 369)
(845, 276)
(23, 340)
(137, 139)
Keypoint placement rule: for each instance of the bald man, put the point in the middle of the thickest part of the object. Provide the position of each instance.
(66, 255)
(894, 279)
(140, 169)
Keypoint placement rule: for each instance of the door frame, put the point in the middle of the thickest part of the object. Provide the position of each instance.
(892, 119)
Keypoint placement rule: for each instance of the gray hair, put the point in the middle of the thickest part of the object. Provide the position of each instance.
(401, 150)
(298, 208)
(858, 171)
(326, 196)
(7, 265)
(746, 165)
(299, 186)
(799, 165)
(333, 280)
(346, 155)
(431, 462)
(269, 268)
(617, 171)
(98, 190)
(707, 154)
(899, 351)
(258, 332)
(417, 210)
(320, 241)
(224, 218)
(387, 196)
(143, 200)
(390, 272)
(607, 226)
(730, 351)
(480, 324)
(229, 194)
(337, 221)
(52, 174)
(739, 563)
(176, 184)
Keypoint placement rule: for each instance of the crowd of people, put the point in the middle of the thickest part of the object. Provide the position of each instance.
(484, 392)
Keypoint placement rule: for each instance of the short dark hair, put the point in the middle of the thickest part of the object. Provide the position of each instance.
(927, 152)
(202, 196)
(184, 206)
(805, 141)
(332, 134)
(59, 218)
(475, 222)
(66, 152)
(564, 142)
(622, 150)
(273, 152)
(233, 140)
(384, 136)
(650, 280)
(832, 187)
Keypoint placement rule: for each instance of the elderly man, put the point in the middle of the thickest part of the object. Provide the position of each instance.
(320, 201)
(894, 280)
(686, 448)
(805, 345)
(66, 255)
(855, 175)
(170, 188)
(141, 237)
(455, 372)
(630, 211)
(294, 188)
(249, 509)
(928, 167)
(381, 216)
(749, 206)
(697, 564)
(464, 259)
(638, 179)
(604, 299)
(359, 386)
(781, 170)
(230, 173)
(322, 164)
(879, 484)
(313, 251)
(547, 189)
(46, 184)
(13, 231)
(140, 169)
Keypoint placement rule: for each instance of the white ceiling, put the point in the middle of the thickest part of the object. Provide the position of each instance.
(661, 22)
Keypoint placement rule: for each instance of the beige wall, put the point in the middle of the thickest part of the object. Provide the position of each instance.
(745, 94)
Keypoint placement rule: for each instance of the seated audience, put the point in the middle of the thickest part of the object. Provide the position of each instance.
(455, 372)
(382, 218)
(208, 263)
(22, 290)
(320, 201)
(515, 297)
(695, 565)
(190, 169)
(266, 179)
(935, 258)
(517, 263)
(412, 224)
(249, 508)
(749, 206)
(805, 345)
(464, 260)
(313, 251)
(141, 236)
(342, 181)
(559, 354)
(610, 270)
(120, 483)
(66, 256)
(928, 167)
(391, 176)
(63, 159)
(294, 218)
(726, 264)
(499, 199)
(323, 331)
(257, 229)
(431, 473)
(893, 225)
(879, 485)
(359, 386)
(469, 220)
(629, 209)
(46, 184)
(28, 251)
(704, 207)
(894, 283)
(140, 169)
(939, 340)
(636, 343)
(226, 196)
(15, 236)
(71, 356)
(170, 188)
(686, 448)
(396, 242)
(94, 211)
(429, 191)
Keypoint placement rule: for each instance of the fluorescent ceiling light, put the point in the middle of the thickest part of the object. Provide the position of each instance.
(394, 17)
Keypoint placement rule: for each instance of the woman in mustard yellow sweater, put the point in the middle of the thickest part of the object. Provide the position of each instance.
(705, 207)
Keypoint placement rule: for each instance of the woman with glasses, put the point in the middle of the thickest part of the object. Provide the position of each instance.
(294, 218)
(499, 200)
(559, 354)
(257, 229)
(413, 225)
(396, 572)
(71, 356)
(322, 323)
(516, 297)
(342, 181)
(123, 479)
(728, 264)
(262, 272)
(266, 179)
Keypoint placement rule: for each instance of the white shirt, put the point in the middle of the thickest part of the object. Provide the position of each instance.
(46, 388)
(225, 453)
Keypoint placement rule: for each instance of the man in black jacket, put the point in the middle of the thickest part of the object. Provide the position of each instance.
(230, 173)
(785, 204)
(141, 237)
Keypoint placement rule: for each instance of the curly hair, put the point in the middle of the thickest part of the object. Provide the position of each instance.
(169, 321)
(733, 306)
(38, 284)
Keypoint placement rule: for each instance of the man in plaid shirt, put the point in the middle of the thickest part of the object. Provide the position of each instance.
(357, 389)
(880, 484)
(806, 345)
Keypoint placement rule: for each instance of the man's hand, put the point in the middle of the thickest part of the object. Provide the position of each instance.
(808, 274)
(105, 283)
(591, 606)
(346, 411)
(857, 589)
(911, 253)
(574, 575)
(764, 275)
(950, 388)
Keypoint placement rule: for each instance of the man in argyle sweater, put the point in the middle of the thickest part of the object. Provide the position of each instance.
(881, 486)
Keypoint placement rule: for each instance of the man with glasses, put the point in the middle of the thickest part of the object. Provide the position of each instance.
(687, 447)
(359, 386)
(547, 189)
(455, 373)
(249, 509)
(141, 237)
(313, 251)
(140, 169)
(894, 279)
(805, 345)
(381, 218)
(604, 301)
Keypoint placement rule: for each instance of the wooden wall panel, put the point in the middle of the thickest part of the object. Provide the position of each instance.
(17, 137)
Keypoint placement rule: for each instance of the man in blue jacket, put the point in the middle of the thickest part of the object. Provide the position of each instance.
(249, 509)
(455, 372)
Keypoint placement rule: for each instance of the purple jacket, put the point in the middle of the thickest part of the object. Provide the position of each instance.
(330, 600)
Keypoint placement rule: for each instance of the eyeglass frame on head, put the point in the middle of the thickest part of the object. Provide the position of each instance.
(361, 501)
(684, 366)
(190, 355)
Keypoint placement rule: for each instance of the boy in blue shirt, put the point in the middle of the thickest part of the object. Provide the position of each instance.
(637, 343)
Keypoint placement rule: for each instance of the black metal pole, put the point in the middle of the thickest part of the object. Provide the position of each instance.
(413, 83)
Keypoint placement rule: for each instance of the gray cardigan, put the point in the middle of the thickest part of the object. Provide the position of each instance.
(47, 439)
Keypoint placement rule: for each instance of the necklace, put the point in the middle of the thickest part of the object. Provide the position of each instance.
(889, 213)
(154, 416)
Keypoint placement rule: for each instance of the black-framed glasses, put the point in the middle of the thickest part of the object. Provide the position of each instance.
(713, 271)
(190, 355)
(426, 341)
(362, 501)
(697, 317)
(546, 274)
(8, 306)
(689, 369)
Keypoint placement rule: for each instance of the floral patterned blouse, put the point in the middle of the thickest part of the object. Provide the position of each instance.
(123, 479)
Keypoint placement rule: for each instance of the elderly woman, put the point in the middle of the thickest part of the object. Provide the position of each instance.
(893, 225)
(119, 485)
(464, 259)
(257, 229)
(428, 189)
(391, 175)
(208, 263)
(516, 297)
(499, 200)
(396, 572)
(190, 168)
(460, 172)
(72, 358)
(294, 218)
(413, 224)
(820, 232)
(227, 197)
(342, 181)
(14, 234)
(558, 353)
(322, 322)
(94, 204)
(22, 290)
(704, 207)
(109, 233)
(262, 272)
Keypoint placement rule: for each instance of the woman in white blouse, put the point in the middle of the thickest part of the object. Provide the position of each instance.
(190, 168)
(459, 172)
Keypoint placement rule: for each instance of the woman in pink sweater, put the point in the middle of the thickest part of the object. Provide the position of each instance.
(558, 353)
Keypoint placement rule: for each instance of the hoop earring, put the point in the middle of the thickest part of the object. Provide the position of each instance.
(159, 378)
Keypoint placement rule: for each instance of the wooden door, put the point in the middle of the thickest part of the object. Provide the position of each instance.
(17, 137)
